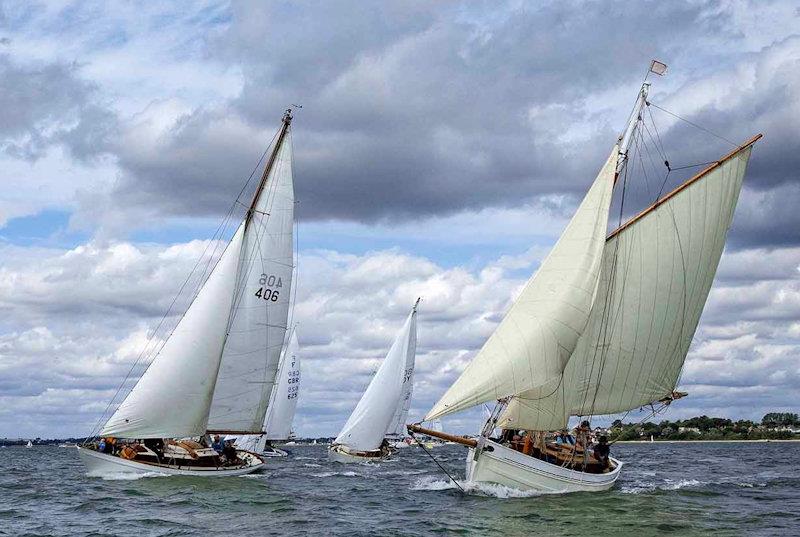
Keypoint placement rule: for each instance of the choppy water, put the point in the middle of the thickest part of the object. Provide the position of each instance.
(686, 489)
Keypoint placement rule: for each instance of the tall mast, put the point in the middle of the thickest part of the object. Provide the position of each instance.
(626, 137)
(287, 121)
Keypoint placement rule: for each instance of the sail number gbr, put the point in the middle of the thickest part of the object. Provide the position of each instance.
(269, 289)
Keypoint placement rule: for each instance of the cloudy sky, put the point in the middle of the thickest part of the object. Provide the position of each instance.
(439, 152)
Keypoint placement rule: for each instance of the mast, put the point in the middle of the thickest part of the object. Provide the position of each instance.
(286, 122)
(633, 124)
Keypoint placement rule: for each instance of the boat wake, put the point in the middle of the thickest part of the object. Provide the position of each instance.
(477, 489)
(125, 476)
(666, 485)
(332, 474)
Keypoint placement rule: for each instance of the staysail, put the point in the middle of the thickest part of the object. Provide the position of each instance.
(258, 328)
(657, 273)
(283, 403)
(534, 341)
(372, 417)
(173, 396)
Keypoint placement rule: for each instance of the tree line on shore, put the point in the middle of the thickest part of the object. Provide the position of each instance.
(773, 426)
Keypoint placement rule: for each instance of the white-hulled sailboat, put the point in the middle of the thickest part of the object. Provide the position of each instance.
(363, 437)
(602, 327)
(282, 406)
(216, 371)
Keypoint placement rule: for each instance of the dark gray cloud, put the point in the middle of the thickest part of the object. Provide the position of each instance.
(419, 109)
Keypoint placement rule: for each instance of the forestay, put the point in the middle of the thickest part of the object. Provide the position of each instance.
(372, 417)
(283, 403)
(532, 344)
(173, 397)
(258, 328)
(657, 274)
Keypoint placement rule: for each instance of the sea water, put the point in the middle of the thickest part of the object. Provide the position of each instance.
(682, 489)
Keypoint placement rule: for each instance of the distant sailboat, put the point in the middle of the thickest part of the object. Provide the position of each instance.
(216, 371)
(29, 444)
(282, 406)
(602, 327)
(363, 436)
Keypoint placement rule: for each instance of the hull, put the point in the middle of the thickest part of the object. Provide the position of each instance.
(505, 466)
(343, 455)
(274, 452)
(99, 464)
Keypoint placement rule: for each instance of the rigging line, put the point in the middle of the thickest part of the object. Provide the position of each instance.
(607, 307)
(655, 144)
(694, 165)
(693, 124)
(442, 468)
(655, 128)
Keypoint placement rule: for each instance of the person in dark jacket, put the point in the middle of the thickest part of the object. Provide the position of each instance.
(602, 451)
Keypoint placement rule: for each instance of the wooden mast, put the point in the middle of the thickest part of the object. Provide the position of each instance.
(413, 428)
(286, 122)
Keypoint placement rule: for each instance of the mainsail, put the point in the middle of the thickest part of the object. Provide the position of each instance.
(372, 417)
(217, 368)
(173, 396)
(258, 327)
(532, 344)
(657, 273)
(283, 403)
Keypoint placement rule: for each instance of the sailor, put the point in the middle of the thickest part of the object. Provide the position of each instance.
(101, 447)
(218, 445)
(602, 450)
(229, 451)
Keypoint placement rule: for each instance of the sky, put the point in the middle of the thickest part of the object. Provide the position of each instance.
(440, 150)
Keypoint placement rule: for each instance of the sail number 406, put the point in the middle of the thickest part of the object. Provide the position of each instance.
(266, 291)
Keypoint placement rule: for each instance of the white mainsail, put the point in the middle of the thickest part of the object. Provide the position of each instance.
(397, 426)
(657, 273)
(283, 403)
(258, 328)
(372, 417)
(534, 341)
(173, 396)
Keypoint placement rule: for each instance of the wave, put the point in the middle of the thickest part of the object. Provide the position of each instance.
(125, 476)
(666, 485)
(493, 490)
(332, 474)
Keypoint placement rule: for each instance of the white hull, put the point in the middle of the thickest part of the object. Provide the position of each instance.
(505, 466)
(100, 464)
(341, 454)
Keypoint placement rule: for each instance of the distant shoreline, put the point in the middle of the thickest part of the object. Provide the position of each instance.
(762, 440)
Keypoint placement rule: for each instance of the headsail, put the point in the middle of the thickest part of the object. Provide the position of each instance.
(258, 327)
(532, 344)
(173, 396)
(372, 417)
(283, 403)
(657, 273)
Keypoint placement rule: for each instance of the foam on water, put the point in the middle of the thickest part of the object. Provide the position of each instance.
(125, 476)
(667, 484)
(430, 483)
(332, 474)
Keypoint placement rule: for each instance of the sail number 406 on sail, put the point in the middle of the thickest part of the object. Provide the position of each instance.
(267, 282)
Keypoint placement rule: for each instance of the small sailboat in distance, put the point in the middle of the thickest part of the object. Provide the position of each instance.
(602, 327)
(363, 437)
(29, 444)
(215, 372)
(282, 406)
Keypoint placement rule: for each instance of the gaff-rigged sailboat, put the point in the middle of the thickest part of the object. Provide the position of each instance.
(282, 406)
(602, 327)
(216, 371)
(389, 392)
